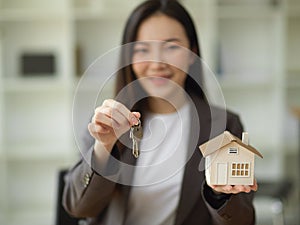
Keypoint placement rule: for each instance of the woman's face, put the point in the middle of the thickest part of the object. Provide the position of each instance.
(161, 55)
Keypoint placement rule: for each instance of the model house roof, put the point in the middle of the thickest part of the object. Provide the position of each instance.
(221, 141)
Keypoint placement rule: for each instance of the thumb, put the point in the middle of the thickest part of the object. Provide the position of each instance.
(137, 115)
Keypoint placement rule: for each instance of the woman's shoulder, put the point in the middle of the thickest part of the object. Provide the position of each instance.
(221, 118)
(216, 112)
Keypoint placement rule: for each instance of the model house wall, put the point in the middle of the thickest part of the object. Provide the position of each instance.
(229, 160)
(227, 167)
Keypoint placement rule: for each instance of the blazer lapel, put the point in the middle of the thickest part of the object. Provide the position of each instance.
(127, 178)
(194, 175)
(191, 188)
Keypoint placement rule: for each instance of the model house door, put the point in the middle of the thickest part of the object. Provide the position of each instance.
(222, 173)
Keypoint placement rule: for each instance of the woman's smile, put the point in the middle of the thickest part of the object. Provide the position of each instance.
(160, 80)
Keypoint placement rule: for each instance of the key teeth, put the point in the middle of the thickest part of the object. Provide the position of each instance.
(135, 135)
(136, 154)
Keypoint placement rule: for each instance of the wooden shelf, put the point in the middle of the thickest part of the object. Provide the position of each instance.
(36, 84)
(256, 11)
(91, 10)
(33, 151)
(16, 15)
(88, 14)
(29, 216)
(237, 82)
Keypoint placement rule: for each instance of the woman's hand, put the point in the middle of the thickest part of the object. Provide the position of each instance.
(235, 189)
(110, 121)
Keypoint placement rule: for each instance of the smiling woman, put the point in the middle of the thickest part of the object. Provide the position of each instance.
(161, 67)
(161, 61)
(161, 80)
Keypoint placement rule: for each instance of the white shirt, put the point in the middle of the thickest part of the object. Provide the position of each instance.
(159, 171)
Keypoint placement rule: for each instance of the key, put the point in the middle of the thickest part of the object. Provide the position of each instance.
(136, 134)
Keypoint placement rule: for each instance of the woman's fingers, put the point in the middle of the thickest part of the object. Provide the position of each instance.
(137, 115)
(109, 117)
(118, 109)
(254, 187)
(94, 128)
(111, 120)
(235, 189)
(112, 117)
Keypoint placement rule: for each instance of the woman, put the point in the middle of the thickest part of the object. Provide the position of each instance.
(159, 85)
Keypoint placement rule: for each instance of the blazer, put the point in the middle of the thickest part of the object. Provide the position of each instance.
(88, 194)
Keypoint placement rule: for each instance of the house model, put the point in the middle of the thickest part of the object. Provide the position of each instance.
(229, 160)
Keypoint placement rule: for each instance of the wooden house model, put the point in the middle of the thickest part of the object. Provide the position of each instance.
(229, 160)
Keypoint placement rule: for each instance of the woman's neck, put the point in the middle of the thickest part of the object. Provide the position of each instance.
(164, 106)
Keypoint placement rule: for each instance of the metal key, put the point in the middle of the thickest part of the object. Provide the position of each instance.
(136, 134)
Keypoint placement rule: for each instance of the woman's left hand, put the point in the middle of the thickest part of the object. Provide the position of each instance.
(234, 189)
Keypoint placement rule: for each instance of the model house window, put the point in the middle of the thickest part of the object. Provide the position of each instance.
(240, 169)
(233, 150)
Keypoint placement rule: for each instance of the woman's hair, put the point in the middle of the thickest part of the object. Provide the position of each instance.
(174, 10)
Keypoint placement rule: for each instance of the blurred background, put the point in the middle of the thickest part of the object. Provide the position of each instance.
(253, 46)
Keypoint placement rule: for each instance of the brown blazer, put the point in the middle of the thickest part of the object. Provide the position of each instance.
(88, 194)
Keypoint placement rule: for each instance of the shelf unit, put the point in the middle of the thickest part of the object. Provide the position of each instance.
(251, 73)
(252, 46)
(292, 88)
(36, 137)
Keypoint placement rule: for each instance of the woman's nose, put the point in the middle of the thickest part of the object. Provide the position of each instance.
(157, 64)
(157, 54)
(157, 60)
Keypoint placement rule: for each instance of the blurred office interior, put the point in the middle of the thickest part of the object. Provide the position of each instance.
(252, 47)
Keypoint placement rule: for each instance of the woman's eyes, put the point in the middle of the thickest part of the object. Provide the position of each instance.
(147, 50)
(172, 47)
(140, 50)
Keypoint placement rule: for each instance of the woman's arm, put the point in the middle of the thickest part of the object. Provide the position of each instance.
(234, 206)
(233, 209)
(87, 193)
(89, 186)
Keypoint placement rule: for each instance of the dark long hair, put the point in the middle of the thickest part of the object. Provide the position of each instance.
(175, 10)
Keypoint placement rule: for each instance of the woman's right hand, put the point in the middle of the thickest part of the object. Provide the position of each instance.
(110, 121)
